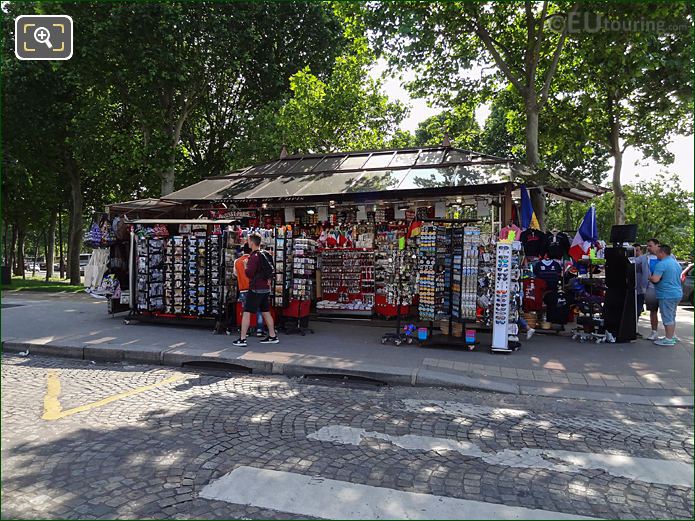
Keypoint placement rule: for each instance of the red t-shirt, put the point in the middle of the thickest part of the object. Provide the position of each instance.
(534, 289)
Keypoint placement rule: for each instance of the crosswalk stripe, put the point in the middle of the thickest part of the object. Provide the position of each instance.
(650, 470)
(466, 411)
(332, 499)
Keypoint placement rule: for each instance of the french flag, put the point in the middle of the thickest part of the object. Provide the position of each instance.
(586, 236)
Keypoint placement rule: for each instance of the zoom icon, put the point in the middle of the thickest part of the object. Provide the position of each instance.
(43, 37)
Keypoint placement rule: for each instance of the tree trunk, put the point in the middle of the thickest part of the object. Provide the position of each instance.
(36, 256)
(533, 159)
(168, 180)
(76, 231)
(13, 246)
(5, 236)
(617, 153)
(60, 243)
(21, 242)
(50, 244)
(568, 216)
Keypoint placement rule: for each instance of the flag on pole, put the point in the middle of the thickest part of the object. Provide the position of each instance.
(586, 236)
(528, 216)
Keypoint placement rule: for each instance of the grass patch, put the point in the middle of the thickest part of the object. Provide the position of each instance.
(53, 285)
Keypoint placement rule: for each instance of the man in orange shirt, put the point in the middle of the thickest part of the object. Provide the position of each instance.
(243, 282)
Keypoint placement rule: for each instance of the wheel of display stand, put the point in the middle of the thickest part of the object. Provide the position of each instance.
(383, 340)
(410, 340)
(126, 322)
(397, 342)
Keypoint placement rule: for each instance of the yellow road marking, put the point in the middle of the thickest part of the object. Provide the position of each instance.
(53, 410)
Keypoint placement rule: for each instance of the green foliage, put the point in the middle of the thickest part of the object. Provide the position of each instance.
(346, 111)
(661, 209)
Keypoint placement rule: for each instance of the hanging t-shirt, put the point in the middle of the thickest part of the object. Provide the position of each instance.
(533, 294)
(557, 245)
(548, 270)
(557, 307)
(504, 232)
(534, 242)
(652, 262)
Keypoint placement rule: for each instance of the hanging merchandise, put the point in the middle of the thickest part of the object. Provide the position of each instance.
(93, 237)
(303, 268)
(557, 244)
(282, 255)
(486, 284)
(550, 271)
(427, 259)
(95, 269)
(347, 281)
(534, 242)
(395, 272)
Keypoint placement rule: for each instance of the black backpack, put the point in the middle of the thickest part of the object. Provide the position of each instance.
(267, 271)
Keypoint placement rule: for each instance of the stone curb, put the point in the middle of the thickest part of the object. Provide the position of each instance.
(388, 374)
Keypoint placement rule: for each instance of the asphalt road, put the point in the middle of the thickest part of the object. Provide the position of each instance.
(84, 440)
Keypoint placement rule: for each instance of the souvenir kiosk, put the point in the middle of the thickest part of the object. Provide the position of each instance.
(370, 235)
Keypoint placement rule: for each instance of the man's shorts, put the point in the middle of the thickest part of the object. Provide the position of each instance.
(668, 310)
(650, 300)
(257, 302)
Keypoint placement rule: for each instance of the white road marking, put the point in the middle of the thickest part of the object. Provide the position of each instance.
(649, 470)
(331, 499)
(467, 411)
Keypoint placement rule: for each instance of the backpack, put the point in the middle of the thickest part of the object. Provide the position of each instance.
(267, 271)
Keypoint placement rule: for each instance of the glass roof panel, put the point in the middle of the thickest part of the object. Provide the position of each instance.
(377, 181)
(330, 163)
(456, 156)
(354, 162)
(404, 159)
(206, 189)
(379, 160)
(243, 188)
(305, 165)
(430, 157)
(260, 169)
(454, 176)
(328, 183)
(281, 167)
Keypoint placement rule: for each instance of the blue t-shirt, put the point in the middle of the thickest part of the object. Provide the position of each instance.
(669, 287)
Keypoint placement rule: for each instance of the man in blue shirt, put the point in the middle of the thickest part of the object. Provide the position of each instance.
(667, 281)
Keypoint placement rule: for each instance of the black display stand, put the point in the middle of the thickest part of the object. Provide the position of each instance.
(450, 340)
(620, 307)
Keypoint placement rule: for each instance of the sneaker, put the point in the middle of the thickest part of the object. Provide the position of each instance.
(665, 342)
(259, 334)
(240, 342)
(653, 336)
(674, 338)
(530, 333)
(270, 340)
(513, 338)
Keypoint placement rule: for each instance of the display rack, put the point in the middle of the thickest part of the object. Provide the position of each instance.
(302, 285)
(282, 248)
(347, 280)
(507, 301)
(449, 286)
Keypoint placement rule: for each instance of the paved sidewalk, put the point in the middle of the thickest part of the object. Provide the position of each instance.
(78, 326)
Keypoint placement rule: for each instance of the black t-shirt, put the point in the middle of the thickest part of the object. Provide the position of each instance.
(550, 271)
(557, 246)
(557, 307)
(534, 242)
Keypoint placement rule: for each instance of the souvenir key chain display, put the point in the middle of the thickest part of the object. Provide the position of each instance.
(395, 270)
(347, 280)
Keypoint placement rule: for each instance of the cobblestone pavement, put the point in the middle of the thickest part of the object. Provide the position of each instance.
(138, 448)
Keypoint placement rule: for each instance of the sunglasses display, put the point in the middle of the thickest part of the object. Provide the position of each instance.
(507, 298)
